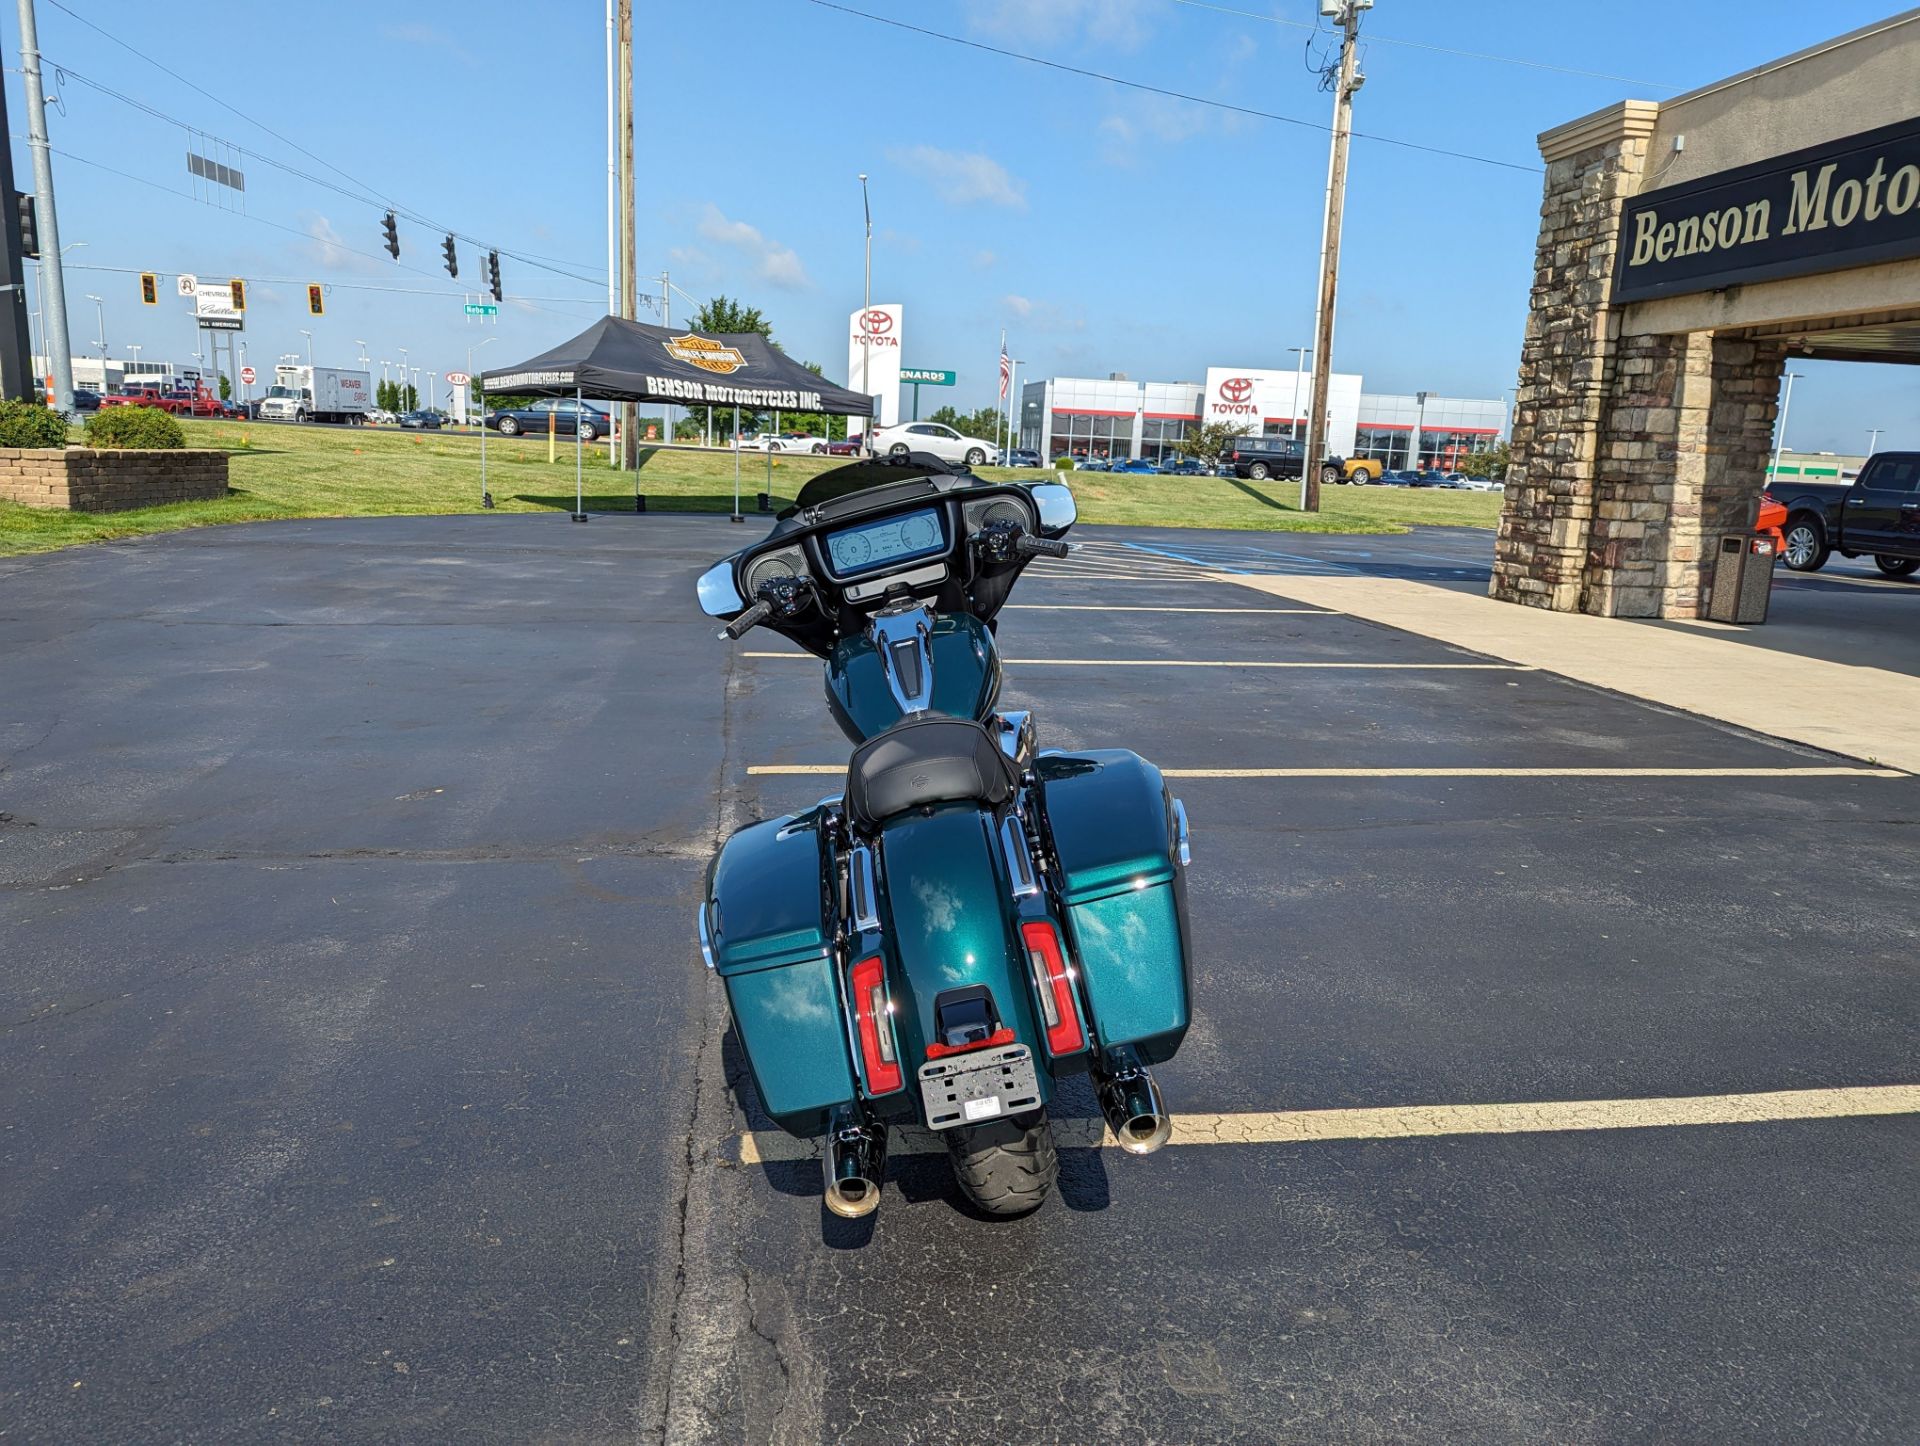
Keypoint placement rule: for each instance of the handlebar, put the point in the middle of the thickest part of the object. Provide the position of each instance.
(1030, 546)
(747, 621)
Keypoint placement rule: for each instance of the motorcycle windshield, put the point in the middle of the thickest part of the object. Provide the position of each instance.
(866, 476)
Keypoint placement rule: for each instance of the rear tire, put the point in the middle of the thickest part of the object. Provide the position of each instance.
(1896, 566)
(1329, 476)
(509, 427)
(1259, 472)
(1806, 547)
(975, 456)
(898, 449)
(1006, 1167)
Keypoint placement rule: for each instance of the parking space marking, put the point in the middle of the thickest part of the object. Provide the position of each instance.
(774, 770)
(1220, 663)
(1412, 1122)
(1158, 608)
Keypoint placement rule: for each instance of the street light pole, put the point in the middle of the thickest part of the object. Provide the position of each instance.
(403, 407)
(1780, 432)
(1873, 438)
(54, 302)
(309, 336)
(866, 339)
(1300, 354)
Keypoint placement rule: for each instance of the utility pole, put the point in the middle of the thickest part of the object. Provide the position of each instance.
(629, 289)
(1344, 89)
(613, 204)
(54, 304)
(16, 345)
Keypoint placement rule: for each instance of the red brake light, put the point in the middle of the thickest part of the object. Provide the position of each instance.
(877, 1053)
(1767, 500)
(1055, 987)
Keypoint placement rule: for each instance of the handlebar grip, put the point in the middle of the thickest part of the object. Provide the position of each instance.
(1031, 546)
(747, 622)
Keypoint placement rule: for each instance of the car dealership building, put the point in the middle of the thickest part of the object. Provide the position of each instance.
(1115, 417)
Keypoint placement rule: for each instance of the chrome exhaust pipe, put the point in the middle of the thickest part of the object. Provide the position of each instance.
(855, 1161)
(1134, 1110)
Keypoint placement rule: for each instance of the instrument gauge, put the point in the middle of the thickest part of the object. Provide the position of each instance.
(766, 570)
(852, 549)
(919, 533)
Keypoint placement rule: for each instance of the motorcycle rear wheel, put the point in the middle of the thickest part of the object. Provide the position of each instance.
(1006, 1167)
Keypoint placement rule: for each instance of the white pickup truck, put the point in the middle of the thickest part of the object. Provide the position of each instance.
(317, 394)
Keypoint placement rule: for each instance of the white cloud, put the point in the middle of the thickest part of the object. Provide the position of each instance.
(328, 248)
(1150, 118)
(961, 178)
(1041, 316)
(984, 260)
(1119, 23)
(774, 263)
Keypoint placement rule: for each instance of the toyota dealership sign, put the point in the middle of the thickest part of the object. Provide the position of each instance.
(873, 358)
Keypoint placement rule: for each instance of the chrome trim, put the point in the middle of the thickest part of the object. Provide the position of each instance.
(1054, 501)
(863, 901)
(854, 1162)
(1016, 735)
(1182, 839)
(1013, 843)
(1134, 1110)
(911, 627)
(706, 940)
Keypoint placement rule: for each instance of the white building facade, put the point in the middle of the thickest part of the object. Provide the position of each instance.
(1116, 417)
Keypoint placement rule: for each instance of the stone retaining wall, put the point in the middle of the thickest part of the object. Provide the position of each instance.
(83, 479)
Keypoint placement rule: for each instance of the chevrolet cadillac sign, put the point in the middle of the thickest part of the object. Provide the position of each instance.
(1850, 202)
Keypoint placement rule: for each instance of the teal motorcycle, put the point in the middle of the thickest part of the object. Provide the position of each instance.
(971, 920)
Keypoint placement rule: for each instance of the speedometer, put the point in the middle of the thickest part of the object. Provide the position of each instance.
(918, 533)
(851, 549)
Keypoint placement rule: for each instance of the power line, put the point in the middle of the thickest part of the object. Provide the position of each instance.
(1373, 39)
(366, 190)
(335, 285)
(1163, 91)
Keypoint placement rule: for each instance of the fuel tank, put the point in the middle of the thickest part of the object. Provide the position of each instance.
(872, 680)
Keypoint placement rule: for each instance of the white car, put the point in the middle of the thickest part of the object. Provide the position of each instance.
(943, 442)
(783, 442)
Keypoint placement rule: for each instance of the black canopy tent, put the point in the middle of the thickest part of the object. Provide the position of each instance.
(615, 360)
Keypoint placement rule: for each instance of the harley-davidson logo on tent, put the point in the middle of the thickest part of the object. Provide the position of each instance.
(709, 356)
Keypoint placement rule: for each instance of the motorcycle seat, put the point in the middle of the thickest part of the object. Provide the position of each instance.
(924, 761)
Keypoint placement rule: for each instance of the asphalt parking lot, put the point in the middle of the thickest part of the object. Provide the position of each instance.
(358, 1078)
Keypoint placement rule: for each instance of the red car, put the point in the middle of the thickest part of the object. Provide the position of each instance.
(848, 448)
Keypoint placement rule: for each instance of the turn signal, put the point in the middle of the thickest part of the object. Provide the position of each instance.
(1054, 985)
(877, 1052)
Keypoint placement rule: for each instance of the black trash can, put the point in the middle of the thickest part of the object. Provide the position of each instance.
(1742, 579)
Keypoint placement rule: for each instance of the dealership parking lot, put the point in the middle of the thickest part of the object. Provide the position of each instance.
(361, 1080)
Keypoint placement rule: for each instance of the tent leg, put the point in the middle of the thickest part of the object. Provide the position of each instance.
(736, 467)
(486, 496)
(579, 464)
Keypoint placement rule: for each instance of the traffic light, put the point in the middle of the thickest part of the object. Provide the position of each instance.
(493, 273)
(393, 236)
(239, 290)
(149, 288)
(29, 225)
(453, 261)
(316, 302)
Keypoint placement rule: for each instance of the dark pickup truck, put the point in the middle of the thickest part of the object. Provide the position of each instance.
(1877, 516)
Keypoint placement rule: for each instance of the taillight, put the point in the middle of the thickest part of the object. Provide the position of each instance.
(877, 1051)
(1054, 985)
(1767, 500)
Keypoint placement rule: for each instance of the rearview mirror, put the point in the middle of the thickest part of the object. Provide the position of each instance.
(719, 598)
(1057, 510)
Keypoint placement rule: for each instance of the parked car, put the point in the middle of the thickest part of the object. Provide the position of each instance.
(1174, 466)
(1021, 457)
(1144, 465)
(782, 442)
(85, 399)
(422, 421)
(1091, 464)
(381, 417)
(1877, 515)
(849, 448)
(1478, 484)
(567, 415)
(1262, 457)
(941, 441)
(1362, 470)
(1400, 478)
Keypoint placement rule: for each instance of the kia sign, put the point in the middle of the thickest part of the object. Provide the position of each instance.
(873, 358)
(457, 379)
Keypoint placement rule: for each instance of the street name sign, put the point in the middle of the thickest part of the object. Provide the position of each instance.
(482, 308)
(927, 378)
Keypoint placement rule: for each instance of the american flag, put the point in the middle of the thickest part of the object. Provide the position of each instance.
(1006, 369)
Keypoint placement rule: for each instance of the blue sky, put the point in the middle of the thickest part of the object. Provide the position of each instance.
(1106, 229)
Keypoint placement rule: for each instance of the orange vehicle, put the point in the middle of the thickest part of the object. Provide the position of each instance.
(1772, 521)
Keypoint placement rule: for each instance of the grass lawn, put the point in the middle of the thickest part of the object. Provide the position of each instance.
(277, 470)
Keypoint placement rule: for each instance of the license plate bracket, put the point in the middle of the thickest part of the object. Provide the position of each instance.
(981, 1085)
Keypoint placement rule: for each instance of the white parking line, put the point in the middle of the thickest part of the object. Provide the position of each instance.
(1413, 1122)
(1158, 608)
(1814, 771)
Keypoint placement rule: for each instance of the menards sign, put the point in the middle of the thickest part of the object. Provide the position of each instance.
(1849, 202)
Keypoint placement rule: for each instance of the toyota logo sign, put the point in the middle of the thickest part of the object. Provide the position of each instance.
(1236, 389)
(876, 322)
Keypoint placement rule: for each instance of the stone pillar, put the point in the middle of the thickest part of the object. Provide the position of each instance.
(1566, 361)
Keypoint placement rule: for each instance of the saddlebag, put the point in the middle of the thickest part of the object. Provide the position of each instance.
(767, 932)
(1111, 828)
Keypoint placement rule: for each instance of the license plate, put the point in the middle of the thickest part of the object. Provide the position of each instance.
(982, 1085)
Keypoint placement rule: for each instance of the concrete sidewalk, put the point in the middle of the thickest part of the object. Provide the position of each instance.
(1861, 712)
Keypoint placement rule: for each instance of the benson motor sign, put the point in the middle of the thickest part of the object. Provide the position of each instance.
(1849, 202)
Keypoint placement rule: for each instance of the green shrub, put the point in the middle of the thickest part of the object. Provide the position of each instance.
(28, 424)
(134, 427)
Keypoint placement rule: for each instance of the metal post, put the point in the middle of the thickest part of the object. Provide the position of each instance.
(1316, 440)
(1419, 425)
(866, 306)
(54, 302)
(579, 464)
(736, 466)
(1299, 375)
(1780, 432)
(1873, 439)
(16, 340)
(629, 283)
(486, 497)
